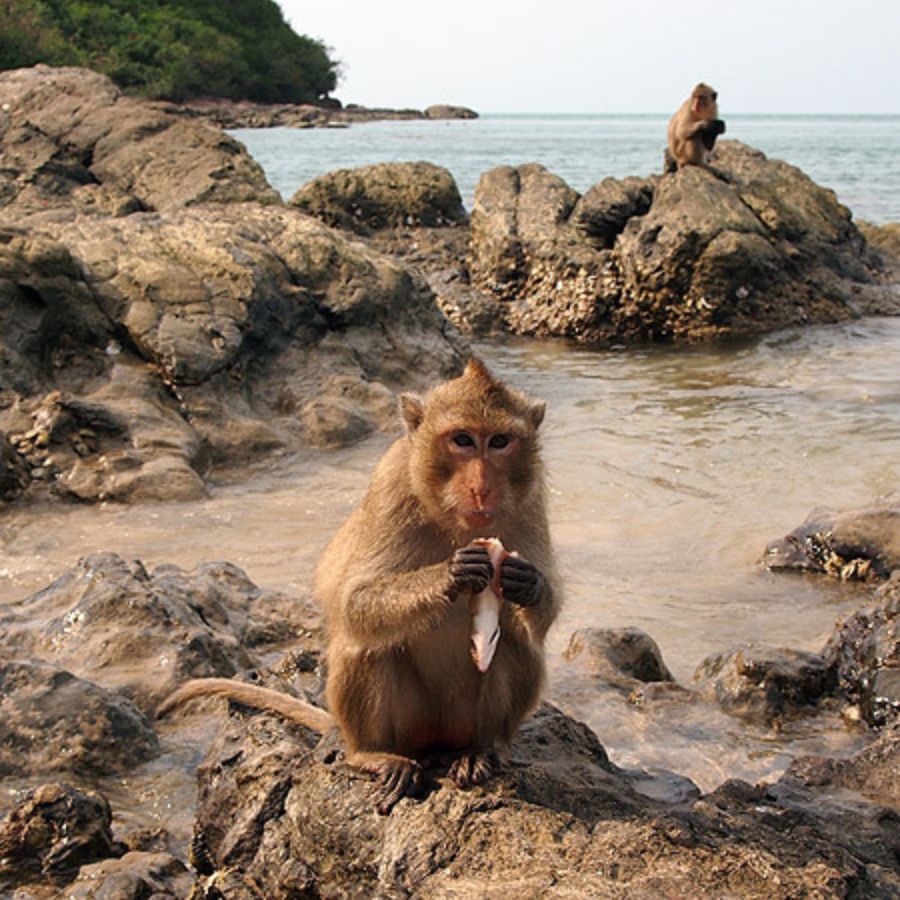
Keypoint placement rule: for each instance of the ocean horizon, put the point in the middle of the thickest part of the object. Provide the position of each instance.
(857, 156)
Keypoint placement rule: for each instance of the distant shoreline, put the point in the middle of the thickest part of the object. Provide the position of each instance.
(246, 114)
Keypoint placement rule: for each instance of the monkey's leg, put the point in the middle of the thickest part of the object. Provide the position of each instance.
(474, 767)
(398, 776)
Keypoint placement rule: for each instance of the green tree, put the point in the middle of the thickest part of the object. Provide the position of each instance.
(172, 49)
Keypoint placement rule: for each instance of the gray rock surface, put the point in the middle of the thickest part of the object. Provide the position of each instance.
(765, 684)
(617, 656)
(383, 195)
(53, 722)
(279, 810)
(52, 831)
(161, 313)
(864, 652)
(70, 135)
(750, 246)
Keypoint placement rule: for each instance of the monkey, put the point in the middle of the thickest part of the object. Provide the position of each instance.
(693, 130)
(394, 585)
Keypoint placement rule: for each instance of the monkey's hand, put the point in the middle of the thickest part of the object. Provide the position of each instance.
(470, 570)
(521, 581)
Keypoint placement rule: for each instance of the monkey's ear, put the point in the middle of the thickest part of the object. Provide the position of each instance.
(536, 413)
(413, 411)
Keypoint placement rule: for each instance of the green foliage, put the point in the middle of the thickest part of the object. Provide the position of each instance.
(172, 49)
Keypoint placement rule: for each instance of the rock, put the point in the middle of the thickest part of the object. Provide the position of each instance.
(861, 544)
(54, 722)
(144, 633)
(134, 876)
(874, 771)
(13, 472)
(447, 111)
(383, 195)
(750, 246)
(619, 656)
(70, 134)
(561, 822)
(885, 240)
(764, 684)
(203, 337)
(53, 831)
(603, 212)
(864, 652)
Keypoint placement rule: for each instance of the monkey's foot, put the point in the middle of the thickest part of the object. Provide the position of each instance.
(474, 768)
(397, 778)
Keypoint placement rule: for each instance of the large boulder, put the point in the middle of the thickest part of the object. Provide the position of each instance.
(161, 311)
(746, 247)
(70, 134)
(383, 195)
(138, 350)
(277, 809)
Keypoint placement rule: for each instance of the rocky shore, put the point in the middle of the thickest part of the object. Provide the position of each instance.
(243, 114)
(165, 315)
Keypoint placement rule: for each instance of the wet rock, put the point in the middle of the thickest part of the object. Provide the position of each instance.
(750, 246)
(134, 876)
(864, 652)
(54, 722)
(276, 809)
(70, 134)
(13, 472)
(383, 195)
(765, 684)
(143, 633)
(874, 772)
(861, 544)
(620, 656)
(53, 831)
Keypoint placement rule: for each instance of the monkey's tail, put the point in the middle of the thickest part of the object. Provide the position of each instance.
(292, 708)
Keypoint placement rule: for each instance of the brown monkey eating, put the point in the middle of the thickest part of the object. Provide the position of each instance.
(693, 129)
(394, 585)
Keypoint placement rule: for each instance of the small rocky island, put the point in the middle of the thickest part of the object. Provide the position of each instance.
(165, 314)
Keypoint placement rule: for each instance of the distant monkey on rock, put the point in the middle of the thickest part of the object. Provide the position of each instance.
(396, 582)
(693, 129)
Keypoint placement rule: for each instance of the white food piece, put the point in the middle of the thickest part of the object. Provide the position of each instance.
(485, 610)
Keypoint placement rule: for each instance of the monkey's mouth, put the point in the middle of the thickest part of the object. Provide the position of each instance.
(478, 518)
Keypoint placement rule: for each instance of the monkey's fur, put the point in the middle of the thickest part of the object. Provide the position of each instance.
(394, 585)
(693, 129)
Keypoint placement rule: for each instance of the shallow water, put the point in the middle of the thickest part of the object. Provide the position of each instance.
(670, 470)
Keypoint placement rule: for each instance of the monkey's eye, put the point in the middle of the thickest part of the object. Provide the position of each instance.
(498, 441)
(463, 439)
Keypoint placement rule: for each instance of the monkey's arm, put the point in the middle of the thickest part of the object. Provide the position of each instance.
(389, 610)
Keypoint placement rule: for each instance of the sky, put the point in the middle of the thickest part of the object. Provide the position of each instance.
(627, 56)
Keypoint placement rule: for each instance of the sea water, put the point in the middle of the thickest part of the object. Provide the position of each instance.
(856, 156)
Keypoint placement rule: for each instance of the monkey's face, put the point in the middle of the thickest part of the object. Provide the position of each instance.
(478, 464)
(703, 103)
